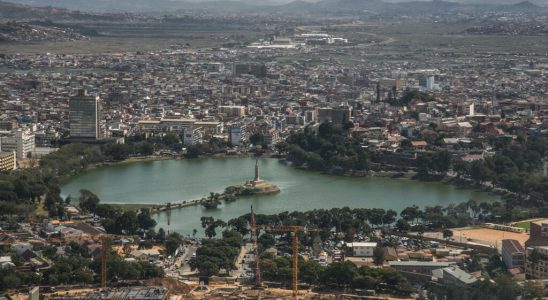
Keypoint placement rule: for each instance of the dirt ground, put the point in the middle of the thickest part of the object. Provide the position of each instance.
(274, 293)
(487, 236)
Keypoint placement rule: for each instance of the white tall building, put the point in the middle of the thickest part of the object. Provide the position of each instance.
(19, 140)
(430, 81)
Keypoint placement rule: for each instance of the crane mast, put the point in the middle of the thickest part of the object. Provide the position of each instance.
(258, 277)
(293, 230)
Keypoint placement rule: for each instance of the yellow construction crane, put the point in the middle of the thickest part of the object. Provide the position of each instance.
(105, 242)
(294, 230)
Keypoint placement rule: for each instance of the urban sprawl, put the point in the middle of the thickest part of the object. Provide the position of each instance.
(479, 120)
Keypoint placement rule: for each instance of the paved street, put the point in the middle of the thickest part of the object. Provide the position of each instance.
(241, 266)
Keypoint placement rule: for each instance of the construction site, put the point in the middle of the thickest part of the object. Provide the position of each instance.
(194, 287)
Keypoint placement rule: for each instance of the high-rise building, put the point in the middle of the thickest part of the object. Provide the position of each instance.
(430, 82)
(84, 116)
(337, 116)
(250, 68)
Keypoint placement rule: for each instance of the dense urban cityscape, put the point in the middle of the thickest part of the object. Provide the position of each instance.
(336, 149)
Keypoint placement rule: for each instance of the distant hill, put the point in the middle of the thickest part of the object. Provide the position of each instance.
(19, 12)
(273, 6)
(526, 5)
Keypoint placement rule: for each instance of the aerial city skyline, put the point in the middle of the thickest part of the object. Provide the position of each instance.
(332, 149)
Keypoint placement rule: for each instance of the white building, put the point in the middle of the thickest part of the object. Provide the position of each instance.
(19, 140)
(146, 255)
(193, 136)
(5, 262)
(430, 81)
(364, 249)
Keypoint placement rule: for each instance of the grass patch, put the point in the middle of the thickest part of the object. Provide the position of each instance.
(525, 223)
(40, 211)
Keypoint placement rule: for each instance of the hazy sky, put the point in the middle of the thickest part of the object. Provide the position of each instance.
(541, 2)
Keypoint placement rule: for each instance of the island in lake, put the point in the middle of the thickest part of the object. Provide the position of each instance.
(257, 186)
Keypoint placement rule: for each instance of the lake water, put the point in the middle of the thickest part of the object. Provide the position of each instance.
(158, 182)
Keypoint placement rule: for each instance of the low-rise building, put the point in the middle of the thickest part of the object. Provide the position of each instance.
(234, 111)
(538, 234)
(454, 276)
(8, 161)
(5, 262)
(193, 136)
(146, 255)
(536, 262)
(420, 267)
(362, 249)
(513, 254)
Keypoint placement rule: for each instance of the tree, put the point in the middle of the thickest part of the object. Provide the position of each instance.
(375, 217)
(508, 289)
(211, 225)
(209, 268)
(411, 213)
(309, 271)
(340, 274)
(402, 225)
(406, 144)
(11, 281)
(161, 235)
(378, 255)
(144, 219)
(462, 168)
(326, 129)
(116, 151)
(479, 171)
(22, 188)
(171, 140)
(389, 217)
(145, 148)
(88, 201)
(424, 164)
(194, 151)
(282, 147)
(266, 240)
(441, 161)
(257, 139)
(533, 290)
(173, 241)
(447, 233)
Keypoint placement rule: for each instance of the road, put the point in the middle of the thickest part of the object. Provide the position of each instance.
(185, 269)
(241, 266)
(183, 259)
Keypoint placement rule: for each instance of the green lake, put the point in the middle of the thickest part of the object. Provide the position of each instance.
(158, 182)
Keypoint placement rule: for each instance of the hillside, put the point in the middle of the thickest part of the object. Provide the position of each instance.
(298, 6)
